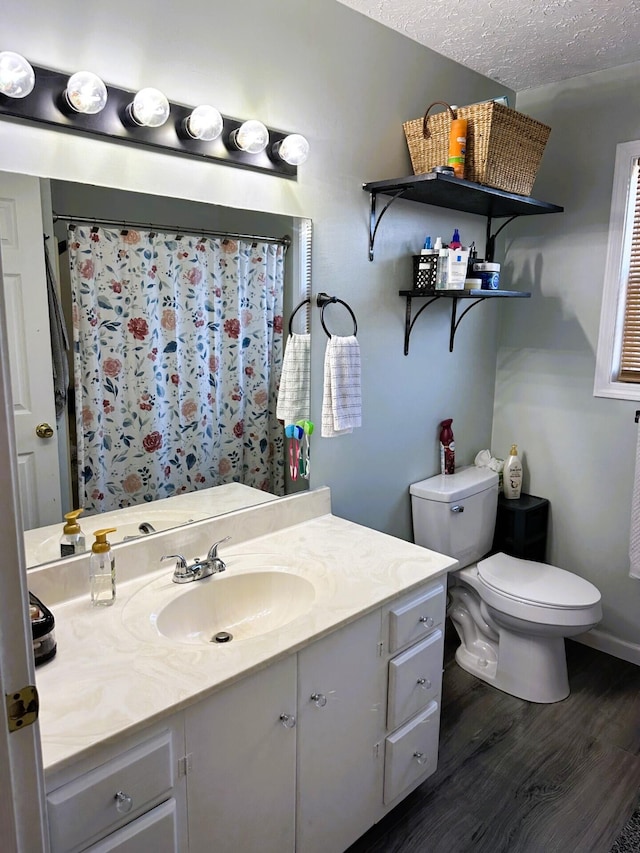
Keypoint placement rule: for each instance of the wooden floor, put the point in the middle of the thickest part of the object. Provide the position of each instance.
(515, 777)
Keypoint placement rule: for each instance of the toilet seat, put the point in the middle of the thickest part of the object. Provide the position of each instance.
(538, 584)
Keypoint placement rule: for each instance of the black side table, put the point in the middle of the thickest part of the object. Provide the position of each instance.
(521, 527)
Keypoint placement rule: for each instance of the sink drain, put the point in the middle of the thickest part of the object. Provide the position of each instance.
(222, 637)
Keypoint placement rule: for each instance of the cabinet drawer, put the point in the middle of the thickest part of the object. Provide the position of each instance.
(416, 616)
(415, 677)
(155, 831)
(415, 742)
(87, 809)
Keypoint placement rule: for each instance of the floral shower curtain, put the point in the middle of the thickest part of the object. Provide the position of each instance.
(177, 359)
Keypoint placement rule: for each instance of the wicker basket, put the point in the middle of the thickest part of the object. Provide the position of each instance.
(504, 147)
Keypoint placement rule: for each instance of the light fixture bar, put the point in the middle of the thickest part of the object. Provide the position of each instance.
(46, 104)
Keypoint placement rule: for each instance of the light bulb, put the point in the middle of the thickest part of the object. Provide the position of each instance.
(86, 93)
(204, 123)
(17, 77)
(294, 149)
(252, 136)
(150, 108)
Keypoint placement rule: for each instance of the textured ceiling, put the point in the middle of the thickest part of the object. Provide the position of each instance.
(519, 43)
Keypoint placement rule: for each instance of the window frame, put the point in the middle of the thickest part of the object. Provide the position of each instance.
(615, 279)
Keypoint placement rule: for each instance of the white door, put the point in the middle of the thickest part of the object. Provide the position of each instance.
(25, 297)
(22, 809)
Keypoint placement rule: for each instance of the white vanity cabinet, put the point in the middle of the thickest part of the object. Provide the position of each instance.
(241, 750)
(130, 798)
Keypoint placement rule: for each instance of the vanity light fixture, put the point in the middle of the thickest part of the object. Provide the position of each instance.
(81, 103)
(293, 149)
(205, 122)
(149, 108)
(252, 137)
(86, 93)
(17, 77)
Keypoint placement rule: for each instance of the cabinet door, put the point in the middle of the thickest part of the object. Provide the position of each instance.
(241, 785)
(340, 732)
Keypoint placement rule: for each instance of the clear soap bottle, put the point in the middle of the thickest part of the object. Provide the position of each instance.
(512, 474)
(102, 570)
(72, 540)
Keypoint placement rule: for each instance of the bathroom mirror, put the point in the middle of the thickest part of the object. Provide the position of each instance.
(85, 202)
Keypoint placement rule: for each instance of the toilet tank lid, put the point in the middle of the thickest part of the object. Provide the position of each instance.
(454, 487)
(538, 583)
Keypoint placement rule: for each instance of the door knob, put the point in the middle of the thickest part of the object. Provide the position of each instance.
(44, 430)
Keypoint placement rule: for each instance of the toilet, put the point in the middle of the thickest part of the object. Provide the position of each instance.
(511, 615)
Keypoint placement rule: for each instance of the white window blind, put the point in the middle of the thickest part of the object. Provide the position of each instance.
(629, 369)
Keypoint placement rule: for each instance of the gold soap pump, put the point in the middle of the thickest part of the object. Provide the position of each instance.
(72, 540)
(102, 570)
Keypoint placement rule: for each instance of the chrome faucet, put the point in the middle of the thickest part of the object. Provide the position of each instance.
(210, 565)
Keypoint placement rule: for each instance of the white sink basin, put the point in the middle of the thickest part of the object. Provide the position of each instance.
(244, 605)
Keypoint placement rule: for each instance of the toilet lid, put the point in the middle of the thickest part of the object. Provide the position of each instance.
(537, 583)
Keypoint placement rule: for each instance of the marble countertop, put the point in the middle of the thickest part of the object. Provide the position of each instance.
(114, 673)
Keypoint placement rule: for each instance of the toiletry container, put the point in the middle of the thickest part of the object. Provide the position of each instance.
(102, 570)
(447, 448)
(72, 540)
(489, 273)
(512, 474)
(457, 146)
(442, 269)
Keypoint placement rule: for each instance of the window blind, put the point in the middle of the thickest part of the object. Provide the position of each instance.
(629, 370)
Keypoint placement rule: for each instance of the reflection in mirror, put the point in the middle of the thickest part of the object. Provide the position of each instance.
(131, 322)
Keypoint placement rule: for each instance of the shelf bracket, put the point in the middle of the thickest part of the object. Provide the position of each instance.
(455, 320)
(455, 323)
(409, 323)
(373, 224)
(490, 246)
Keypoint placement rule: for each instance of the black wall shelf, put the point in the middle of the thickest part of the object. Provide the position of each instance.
(454, 295)
(452, 193)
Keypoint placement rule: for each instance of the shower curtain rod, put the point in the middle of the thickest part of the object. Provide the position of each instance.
(143, 226)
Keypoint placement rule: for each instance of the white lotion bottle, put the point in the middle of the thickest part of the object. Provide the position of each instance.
(102, 570)
(512, 474)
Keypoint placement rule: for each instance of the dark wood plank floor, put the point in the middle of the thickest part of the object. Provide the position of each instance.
(515, 777)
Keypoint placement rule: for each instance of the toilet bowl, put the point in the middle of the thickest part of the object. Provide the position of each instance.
(511, 615)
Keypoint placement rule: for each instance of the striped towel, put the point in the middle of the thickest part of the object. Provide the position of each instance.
(342, 400)
(295, 381)
(634, 538)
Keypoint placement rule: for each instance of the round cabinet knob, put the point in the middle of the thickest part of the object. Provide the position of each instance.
(44, 430)
(124, 803)
(319, 699)
(420, 757)
(427, 620)
(424, 683)
(288, 720)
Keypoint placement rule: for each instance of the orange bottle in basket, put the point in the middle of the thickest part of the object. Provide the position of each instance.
(457, 146)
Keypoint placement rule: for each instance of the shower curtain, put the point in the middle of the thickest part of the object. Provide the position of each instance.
(177, 359)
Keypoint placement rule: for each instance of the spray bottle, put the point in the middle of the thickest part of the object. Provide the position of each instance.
(447, 448)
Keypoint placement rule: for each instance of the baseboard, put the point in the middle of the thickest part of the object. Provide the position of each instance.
(606, 642)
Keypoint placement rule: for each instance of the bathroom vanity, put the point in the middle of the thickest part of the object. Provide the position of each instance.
(300, 733)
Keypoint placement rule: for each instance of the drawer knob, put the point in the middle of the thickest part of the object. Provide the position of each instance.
(319, 699)
(427, 620)
(288, 720)
(124, 803)
(424, 683)
(420, 757)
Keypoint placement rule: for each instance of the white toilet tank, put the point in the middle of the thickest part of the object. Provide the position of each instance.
(455, 514)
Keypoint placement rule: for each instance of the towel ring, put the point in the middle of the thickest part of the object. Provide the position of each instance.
(304, 302)
(323, 299)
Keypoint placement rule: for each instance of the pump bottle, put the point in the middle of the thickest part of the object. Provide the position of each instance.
(72, 540)
(102, 570)
(512, 474)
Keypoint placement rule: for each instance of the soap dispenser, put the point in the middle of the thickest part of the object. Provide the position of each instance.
(512, 474)
(72, 540)
(102, 570)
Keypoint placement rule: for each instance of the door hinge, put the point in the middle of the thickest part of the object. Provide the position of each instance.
(22, 707)
(380, 649)
(185, 764)
(376, 750)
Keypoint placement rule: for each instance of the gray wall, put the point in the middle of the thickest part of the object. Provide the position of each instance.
(347, 83)
(578, 450)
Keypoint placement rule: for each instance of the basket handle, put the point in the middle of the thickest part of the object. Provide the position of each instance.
(425, 121)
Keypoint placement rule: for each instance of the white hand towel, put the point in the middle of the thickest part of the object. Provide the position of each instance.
(634, 538)
(342, 399)
(295, 381)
